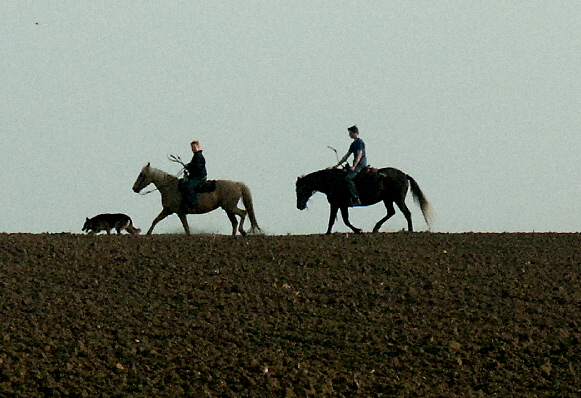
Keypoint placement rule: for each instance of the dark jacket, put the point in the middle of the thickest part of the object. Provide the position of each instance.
(196, 169)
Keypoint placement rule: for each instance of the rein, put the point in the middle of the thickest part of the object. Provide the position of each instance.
(148, 192)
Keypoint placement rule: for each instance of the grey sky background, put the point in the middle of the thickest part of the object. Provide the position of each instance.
(479, 101)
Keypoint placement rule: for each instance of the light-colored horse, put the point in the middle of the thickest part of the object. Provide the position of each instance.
(226, 195)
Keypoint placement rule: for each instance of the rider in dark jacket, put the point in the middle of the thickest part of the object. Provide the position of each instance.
(195, 175)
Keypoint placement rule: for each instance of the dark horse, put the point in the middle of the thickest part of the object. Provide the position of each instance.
(388, 185)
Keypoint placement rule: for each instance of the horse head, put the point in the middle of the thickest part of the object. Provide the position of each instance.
(325, 181)
(143, 179)
(304, 192)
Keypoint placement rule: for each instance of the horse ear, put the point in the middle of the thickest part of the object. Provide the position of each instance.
(148, 164)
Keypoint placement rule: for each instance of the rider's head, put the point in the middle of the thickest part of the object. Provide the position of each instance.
(196, 147)
(353, 131)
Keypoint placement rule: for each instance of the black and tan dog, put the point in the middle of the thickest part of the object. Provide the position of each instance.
(108, 221)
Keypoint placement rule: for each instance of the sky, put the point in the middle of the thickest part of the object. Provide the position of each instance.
(479, 101)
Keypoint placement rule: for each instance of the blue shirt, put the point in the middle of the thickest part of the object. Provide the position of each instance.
(356, 146)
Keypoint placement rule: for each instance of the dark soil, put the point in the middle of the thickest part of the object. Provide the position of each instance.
(379, 315)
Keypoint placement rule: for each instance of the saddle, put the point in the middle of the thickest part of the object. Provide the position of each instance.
(202, 187)
(370, 170)
(206, 186)
(366, 170)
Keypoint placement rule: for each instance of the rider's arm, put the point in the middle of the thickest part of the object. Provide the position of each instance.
(358, 157)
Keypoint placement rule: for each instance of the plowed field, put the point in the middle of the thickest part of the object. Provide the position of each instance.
(379, 315)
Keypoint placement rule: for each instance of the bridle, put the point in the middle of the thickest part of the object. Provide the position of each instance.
(305, 192)
(140, 180)
(141, 176)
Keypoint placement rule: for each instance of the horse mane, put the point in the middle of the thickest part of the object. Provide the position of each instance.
(157, 173)
(322, 178)
(326, 173)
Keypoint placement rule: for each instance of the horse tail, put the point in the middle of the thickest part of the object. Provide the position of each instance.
(249, 206)
(421, 200)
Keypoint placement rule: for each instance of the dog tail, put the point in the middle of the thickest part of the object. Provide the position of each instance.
(129, 227)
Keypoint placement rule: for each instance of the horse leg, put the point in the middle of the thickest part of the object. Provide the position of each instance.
(390, 212)
(345, 215)
(406, 212)
(164, 213)
(332, 217)
(242, 215)
(234, 222)
(184, 219)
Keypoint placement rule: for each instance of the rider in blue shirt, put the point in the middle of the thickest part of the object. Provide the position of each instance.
(357, 148)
